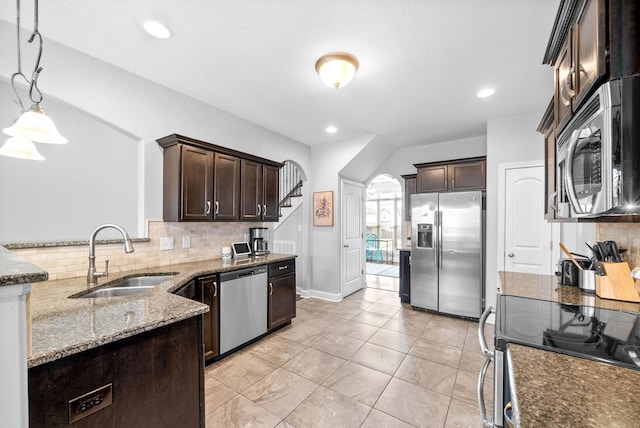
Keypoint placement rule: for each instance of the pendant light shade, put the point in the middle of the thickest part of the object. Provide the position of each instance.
(20, 148)
(336, 69)
(36, 126)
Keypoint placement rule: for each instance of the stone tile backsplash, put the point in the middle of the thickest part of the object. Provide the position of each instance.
(627, 235)
(207, 239)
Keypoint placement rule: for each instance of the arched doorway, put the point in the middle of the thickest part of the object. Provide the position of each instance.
(383, 232)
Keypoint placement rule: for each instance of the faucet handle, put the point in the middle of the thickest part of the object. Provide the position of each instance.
(106, 268)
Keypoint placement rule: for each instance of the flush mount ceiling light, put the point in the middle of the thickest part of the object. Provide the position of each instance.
(336, 69)
(33, 124)
(157, 30)
(484, 93)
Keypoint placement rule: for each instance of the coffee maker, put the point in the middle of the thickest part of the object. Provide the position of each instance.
(258, 242)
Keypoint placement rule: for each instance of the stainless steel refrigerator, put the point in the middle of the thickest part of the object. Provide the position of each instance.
(447, 252)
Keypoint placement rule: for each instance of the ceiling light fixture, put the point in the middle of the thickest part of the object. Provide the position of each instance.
(336, 69)
(157, 30)
(484, 93)
(331, 129)
(33, 124)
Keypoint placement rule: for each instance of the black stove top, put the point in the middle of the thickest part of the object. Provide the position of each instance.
(584, 331)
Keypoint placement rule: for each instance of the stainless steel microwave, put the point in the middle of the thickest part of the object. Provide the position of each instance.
(598, 155)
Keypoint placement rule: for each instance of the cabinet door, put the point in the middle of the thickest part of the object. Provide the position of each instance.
(226, 185)
(564, 85)
(271, 193)
(282, 300)
(208, 294)
(589, 49)
(196, 181)
(410, 185)
(467, 176)
(251, 199)
(432, 179)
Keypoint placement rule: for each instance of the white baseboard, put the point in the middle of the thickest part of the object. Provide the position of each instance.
(331, 297)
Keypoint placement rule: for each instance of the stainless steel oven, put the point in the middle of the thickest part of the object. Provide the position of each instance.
(604, 335)
(598, 153)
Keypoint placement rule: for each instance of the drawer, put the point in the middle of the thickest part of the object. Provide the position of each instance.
(282, 268)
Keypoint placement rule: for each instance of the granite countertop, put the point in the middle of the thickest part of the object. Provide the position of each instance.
(546, 287)
(16, 270)
(558, 390)
(61, 326)
(554, 389)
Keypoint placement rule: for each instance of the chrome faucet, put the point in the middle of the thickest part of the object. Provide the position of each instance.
(92, 275)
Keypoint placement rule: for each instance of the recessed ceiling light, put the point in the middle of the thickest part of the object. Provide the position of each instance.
(331, 129)
(486, 93)
(157, 29)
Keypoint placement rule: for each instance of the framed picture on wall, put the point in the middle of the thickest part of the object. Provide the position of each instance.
(323, 208)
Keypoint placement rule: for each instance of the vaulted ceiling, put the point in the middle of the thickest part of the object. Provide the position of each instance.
(421, 61)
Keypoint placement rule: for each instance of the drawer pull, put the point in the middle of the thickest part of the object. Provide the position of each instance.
(215, 289)
(270, 289)
(283, 267)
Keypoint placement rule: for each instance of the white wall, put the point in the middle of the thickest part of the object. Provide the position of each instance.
(146, 110)
(89, 181)
(142, 110)
(328, 161)
(511, 139)
(401, 163)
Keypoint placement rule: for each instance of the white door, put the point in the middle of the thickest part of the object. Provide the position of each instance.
(527, 235)
(352, 237)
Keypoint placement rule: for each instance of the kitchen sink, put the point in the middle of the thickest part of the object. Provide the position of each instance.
(128, 286)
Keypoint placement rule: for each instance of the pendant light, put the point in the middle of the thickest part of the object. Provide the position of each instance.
(336, 69)
(33, 124)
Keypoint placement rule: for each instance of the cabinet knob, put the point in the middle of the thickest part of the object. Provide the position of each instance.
(510, 254)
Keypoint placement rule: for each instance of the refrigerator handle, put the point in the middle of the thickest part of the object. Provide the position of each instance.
(440, 266)
(436, 240)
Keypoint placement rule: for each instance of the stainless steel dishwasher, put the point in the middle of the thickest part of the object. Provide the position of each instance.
(243, 306)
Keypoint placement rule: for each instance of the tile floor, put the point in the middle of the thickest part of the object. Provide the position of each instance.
(368, 361)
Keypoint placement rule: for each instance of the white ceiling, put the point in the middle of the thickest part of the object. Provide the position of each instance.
(421, 61)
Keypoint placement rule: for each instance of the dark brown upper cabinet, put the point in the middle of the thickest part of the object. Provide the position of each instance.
(188, 183)
(226, 187)
(451, 176)
(204, 182)
(260, 191)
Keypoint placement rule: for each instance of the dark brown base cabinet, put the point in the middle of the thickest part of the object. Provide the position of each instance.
(208, 294)
(405, 276)
(156, 377)
(282, 293)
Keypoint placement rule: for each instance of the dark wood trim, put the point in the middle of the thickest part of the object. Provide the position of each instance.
(449, 162)
(546, 123)
(566, 16)
(174, 139)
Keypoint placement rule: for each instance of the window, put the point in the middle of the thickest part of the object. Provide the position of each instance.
(384, 210)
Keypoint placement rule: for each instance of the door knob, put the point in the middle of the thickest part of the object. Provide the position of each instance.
(510, 254)
(345, 246)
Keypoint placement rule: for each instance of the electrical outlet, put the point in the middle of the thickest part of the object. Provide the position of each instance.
(186, 242)
(166, 243)
(246, 237)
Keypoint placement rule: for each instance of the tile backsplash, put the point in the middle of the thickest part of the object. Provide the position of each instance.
(207, 239)
(627, 235)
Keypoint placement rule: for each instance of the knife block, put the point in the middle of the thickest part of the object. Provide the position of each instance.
(617, 284)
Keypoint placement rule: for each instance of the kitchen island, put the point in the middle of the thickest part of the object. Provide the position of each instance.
(555, 389)
(117, 361)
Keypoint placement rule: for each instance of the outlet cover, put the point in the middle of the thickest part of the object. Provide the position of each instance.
(166, 243)
(186, 242)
